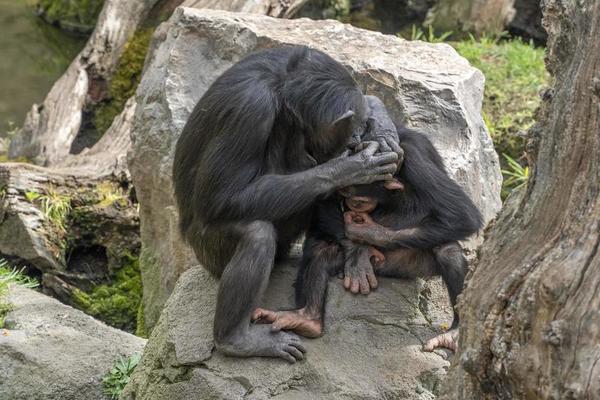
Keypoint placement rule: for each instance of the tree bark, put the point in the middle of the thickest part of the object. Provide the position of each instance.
(475, 16)
(530, 315)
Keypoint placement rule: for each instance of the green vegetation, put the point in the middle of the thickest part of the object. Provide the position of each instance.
(515, 176)
(110, 193)
(116, 303)
(55, 207)
(11, 275)
(76, 15)
(429, 36)
(119, 375)
(515, 73)
(124, 81)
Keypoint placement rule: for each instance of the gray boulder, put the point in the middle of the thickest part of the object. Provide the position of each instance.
(426, 86)
(51, 351)
(371, 349)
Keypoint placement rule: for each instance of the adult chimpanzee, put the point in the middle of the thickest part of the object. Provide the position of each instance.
(408, 232)
(261, 146)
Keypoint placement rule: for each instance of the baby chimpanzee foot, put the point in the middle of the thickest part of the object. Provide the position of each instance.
(261, 341)
(298, 321)
(448, 340)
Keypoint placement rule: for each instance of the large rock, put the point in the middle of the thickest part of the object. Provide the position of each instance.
(51, 351)
(371, 350)
(426, 86)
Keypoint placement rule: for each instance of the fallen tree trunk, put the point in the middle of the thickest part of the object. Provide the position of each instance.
(530, 316)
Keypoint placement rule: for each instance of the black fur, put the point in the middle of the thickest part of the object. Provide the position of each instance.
(260, 147)
(431, 203)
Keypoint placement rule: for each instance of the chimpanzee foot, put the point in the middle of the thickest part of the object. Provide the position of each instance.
(261, 341)
(298, 321)
(449, 340)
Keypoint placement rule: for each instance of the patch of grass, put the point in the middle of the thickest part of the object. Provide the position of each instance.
(111, 193)
(515, 176)
(116, 303)
(56, 207)
(114, 382)
(125, 80)
(515, 74)
(417, 33)
(10, 275)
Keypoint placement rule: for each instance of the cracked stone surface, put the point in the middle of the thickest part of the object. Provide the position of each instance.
(371, 348)
(425, 86)
(51, 351)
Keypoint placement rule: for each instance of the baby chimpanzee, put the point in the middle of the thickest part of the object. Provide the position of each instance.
(408, 227)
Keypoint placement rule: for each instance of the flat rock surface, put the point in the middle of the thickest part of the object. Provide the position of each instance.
(51, 351)
(371, 348)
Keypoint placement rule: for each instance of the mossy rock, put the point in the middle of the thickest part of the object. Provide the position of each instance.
(124, 81)
(118, 302)
(71, 15)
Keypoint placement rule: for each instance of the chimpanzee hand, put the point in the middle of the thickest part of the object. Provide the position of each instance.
(360, 228)
(364, 167)
(359, 274)
(382, 129)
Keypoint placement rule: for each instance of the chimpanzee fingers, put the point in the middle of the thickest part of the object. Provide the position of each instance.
(355, 286)
(297, 354)
(385, 158)
(383, 146)
(364, 285)
(297, 343)
(372, 280)
(347, 282)
(387, 169)
(371, 148)
(287, 356)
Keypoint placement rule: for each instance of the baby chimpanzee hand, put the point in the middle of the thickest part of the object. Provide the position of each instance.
(359, 275)
(361, 228)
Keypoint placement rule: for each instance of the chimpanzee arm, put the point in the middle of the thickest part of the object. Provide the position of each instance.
(448, 213)
(233, 183)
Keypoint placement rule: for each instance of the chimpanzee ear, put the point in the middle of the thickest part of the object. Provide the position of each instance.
(343, 123)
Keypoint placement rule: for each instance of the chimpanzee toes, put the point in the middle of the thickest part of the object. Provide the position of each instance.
(297, 354)
(287, 356)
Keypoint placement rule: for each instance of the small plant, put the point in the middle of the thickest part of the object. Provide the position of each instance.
(56, 207)
(119, 375)
(12, 275)
(110, 194)
(32, 196)
(429, 36)
(515, 176)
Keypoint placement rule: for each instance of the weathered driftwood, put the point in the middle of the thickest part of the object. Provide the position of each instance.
(531, 312)
(78, 247)
(51, 128)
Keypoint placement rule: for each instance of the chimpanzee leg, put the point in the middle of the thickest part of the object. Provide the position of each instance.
(320, 260)
(242, 285)
(452, 266)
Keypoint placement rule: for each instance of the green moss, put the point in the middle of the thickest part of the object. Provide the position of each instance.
(140, 328)
(116, 303)
(77, 15)
(515, 73)
(124, 81)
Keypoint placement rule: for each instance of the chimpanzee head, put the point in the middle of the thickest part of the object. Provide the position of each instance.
(326, 102)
